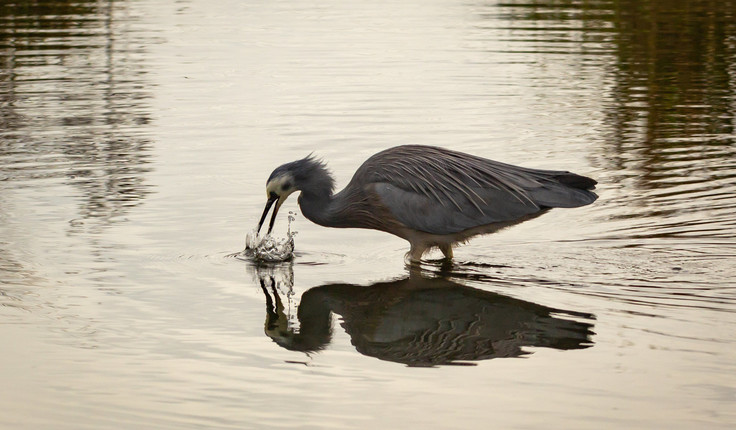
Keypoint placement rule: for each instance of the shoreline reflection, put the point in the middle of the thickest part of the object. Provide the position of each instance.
(419, 321)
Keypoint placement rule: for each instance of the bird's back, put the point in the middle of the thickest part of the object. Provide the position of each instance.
(440, 191)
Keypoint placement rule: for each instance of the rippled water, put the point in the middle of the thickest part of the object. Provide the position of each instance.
(136, 138)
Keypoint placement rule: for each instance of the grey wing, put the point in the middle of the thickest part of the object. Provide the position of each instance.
(421, 212)
(441, 191)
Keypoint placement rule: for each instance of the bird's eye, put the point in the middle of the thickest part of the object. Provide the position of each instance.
(286, 186)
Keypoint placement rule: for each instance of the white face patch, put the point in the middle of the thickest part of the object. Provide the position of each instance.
(282, 186)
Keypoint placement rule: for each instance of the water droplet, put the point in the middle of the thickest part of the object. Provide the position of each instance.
(269, 248)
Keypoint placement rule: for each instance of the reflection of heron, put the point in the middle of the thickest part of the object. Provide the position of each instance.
(424, 322)
(429, 196)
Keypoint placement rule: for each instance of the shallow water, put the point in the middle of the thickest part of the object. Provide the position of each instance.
(136, 139)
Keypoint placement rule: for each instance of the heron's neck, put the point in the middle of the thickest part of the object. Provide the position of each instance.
(320, 208)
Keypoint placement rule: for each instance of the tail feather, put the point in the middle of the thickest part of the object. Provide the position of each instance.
(565, 190)
(576, 181)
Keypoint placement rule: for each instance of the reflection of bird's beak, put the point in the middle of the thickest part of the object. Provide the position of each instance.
(271, 200)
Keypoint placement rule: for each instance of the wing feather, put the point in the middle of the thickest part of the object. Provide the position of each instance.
(441, 191)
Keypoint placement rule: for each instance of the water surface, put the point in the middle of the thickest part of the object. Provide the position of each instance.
(136, 139)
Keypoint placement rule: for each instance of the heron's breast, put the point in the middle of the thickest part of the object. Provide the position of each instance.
(368, 210)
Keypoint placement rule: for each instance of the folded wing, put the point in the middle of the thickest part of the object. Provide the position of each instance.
(440, 191)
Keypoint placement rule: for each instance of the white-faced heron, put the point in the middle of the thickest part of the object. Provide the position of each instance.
(432, 197)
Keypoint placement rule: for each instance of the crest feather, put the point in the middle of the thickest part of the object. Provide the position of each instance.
(310, 175)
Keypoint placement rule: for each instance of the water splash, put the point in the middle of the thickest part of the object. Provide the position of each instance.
(268, 248)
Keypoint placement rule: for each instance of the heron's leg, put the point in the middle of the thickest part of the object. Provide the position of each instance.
(416, 252)
(447, 250)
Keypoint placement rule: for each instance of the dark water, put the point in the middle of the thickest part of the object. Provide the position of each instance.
(136, 139)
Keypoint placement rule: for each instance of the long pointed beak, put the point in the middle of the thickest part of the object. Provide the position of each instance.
(271, 200)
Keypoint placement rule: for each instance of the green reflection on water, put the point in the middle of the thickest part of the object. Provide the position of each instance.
(669, 101)
(72, 103)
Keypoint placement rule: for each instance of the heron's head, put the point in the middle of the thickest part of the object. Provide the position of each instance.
(307, 174)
